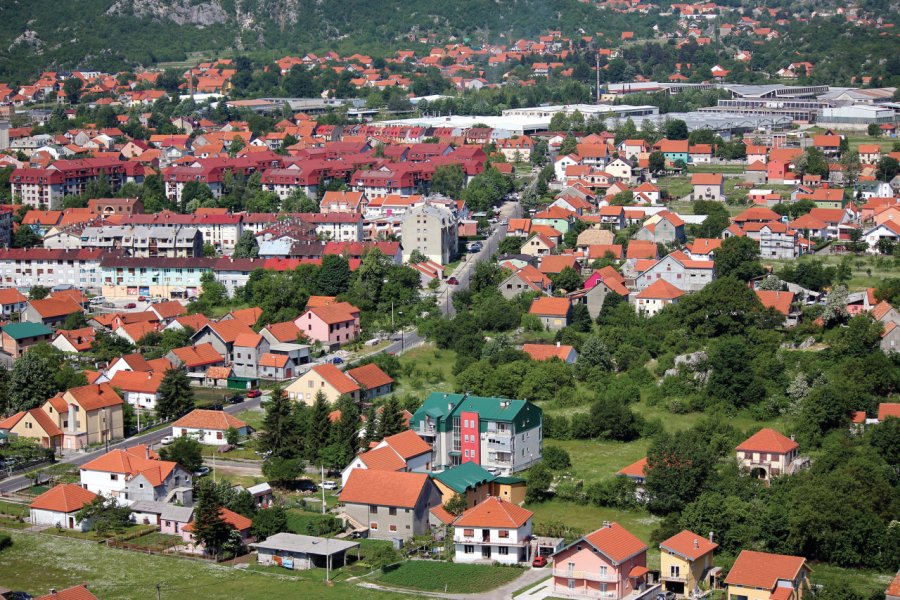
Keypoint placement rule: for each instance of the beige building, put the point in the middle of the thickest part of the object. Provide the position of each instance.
(90, 414)
(686, 560)
(767, 454)
(327, 379)
(431, 230)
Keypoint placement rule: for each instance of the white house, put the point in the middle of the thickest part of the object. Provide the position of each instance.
(493, 531)
(136, 474)
(887, 230)
(209, 426)
(58, 506)
(404, 451)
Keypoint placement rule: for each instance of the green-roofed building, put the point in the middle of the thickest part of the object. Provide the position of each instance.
(477, 484)
(501, 435)
(16, 338)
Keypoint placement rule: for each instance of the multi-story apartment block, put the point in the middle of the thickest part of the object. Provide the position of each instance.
(432, 230)
(503, 436)
(45, 188)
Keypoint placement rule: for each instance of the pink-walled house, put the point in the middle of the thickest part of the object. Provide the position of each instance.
(332, 324)
(608, 563)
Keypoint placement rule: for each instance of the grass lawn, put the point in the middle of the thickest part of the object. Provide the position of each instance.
(452, 577)
(35, 563)
(864, 583)
(867, 271)
(675, 185)
(14, 509)
(426, 369)
(246, 451)
(588, 517)
(156, 541)
(253, 417)
(716, 168)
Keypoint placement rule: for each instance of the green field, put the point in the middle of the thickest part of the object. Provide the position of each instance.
(716, 168)
(14, 509)
(35, 563)
(450, 577)
(676, 186)
(426, 369)
(868, 271)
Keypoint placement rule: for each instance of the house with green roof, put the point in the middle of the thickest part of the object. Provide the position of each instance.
(16, 338)
(477, 484)
(501, 435)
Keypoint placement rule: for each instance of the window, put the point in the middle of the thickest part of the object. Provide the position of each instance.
(503, 550)
(503, 533)
(113, 477)
(373, 510)
(392, 511)
(392, 527)
(603, 571)
(468, 532)
(373, 525)
(469, 549)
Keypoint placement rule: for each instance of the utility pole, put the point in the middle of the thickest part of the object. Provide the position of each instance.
(323, 489)
(598, 76)
(157, 591)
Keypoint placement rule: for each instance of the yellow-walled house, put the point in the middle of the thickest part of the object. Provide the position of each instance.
(765, 576)
(88, 414)
(34, 424)
(686, 560)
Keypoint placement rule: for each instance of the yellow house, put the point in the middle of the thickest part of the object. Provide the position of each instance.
(686, 560)
(765, 576)
(34, 424)
(327, 379)
(86, 415)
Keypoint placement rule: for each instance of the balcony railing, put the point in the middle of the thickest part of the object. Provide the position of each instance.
(589, 575)
(673, 577)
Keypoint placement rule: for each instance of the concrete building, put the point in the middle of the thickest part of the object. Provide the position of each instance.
(431, 230)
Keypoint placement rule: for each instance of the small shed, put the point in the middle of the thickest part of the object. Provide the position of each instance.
(302, 552)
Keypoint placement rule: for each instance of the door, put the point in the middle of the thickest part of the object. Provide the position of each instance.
(71, 522)
(485, 552)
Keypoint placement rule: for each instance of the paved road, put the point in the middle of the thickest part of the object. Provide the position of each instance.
(18, 482)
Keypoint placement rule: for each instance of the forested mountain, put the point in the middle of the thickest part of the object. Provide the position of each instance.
(112, 34)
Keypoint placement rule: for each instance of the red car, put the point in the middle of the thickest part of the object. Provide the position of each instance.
(131, 305)
(539, 561)
(452, 281)
(254, 394)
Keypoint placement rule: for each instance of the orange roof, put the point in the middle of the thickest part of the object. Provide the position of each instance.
(65, 498)
(407, 444)
(494, 512)
(93, 397)
(199, 355)
(168, 310)
(249, 316)
(79, 592)
(383, 459)
(134, 461)
(195, 321)
(707, 179)
(443, 515)
(894, 588)
(384, 488)
(236, 521)
(267, 359)
(284, 332)
(635, 469)
(43, 419)
(763, 570)
(616, 542)
(768, 440)
(315, 301)
(547, 351)
(338, 312)
(336, 378)
(230, 329)
(555, 263)
(11, 296)
(641, 249)
(81, 339)
(55, 307)
(370, 376)
(146, 382)
(247, 340)
(885, 410)
(780, 301)
(660, 290)
(556, 307)
(216, 420)
(218, 372)
(689, 544)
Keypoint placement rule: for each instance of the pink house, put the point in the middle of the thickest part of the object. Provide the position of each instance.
(239, 523)
(332, 324)
(608, 563)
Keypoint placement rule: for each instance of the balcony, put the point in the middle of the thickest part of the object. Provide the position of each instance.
(587, 575)
(674, 577)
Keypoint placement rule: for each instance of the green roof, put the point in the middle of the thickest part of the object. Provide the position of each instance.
(465, 476)
(509, 480)
(20, 331)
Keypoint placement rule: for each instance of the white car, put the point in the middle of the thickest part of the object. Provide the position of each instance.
(167, 440)
(329, 485)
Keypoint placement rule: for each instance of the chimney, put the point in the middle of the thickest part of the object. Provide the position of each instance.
(710, 536)
(696, 543)
(147, 452)
(607, 524)
(52, 591)
(557, 344)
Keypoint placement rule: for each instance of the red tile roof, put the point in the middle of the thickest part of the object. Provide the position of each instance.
(763, 570)
(616, 542)
(382, 459)
(370, 376)
(93, 397)
(236, 521)
(557, 307)
(635, 469)
(888, 409)
(768, 440)
(780, 301)
(199, 355)
(689, 544)
(546, 351)
(660, 290)
(407, 444)
(79, 592)
(215, 420)
(707, 179)
(384, 488)
(494, 512)
(336, 378)
(49, 308)
(65, 498)
(43, 419)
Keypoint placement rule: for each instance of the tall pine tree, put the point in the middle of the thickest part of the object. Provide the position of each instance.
(391, 419)
(176, 397)
(344, 434)
(318, 428)
(371, 432)
(209, 528)
(280, 427)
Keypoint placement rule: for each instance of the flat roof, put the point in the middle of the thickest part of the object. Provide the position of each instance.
(307, 544)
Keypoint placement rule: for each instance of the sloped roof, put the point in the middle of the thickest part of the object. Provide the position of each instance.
(635, 469)
(49, 308)
(42, 418)
(336, 378)
(215, 420)
(558, 307)
(768, 440)
(65, 498)
(199, 355)
(689, 544)
(616, 542)
(494, 512)
(236, 521)
(660, 290)
(462, 477)
(885, 410)
(383, 488)
(547, 351)
(78, 592)
(407, 444)
(96, 396)
(382, 459)
(780, 301)
(370, 376)
(762, 569)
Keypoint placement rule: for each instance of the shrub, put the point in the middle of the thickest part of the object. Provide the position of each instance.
(5, 540)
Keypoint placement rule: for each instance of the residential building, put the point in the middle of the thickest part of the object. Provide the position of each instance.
(662, 228)
(493, 531)
(233, 520)
(50, 311)
(16, 338)
(143, 242)
(302, 552)
(373, 381)
(11, 301)
(248, 348)
(209, 426)
(554, 313)
(45, 188)
(767, 454)
(762, 576)
(389, 504)
(59, 506)
(134, 474)
(34, 424)
(432, 230)
(78, 592)
(141, 388)
(708, 186)
(503, 436)
(87, 415)
(325, 378)
(223, 335)
(404, 451)
(607, 563)
(655, 297)
(525, 279)
(332, 325)
(687, 274)
(686, 562)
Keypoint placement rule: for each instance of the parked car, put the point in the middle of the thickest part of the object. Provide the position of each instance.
(452, 281)
(306, 485)
(337, 360)
(131, 305)
(167, 440)
(236, 399)
(539, 561)
(201, 472)
(254, 394)
(329, 485)
(142, 299)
